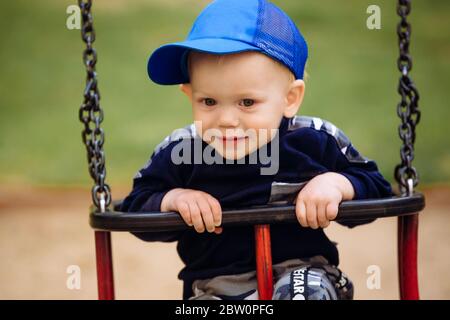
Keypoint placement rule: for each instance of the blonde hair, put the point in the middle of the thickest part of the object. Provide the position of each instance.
(221, 57)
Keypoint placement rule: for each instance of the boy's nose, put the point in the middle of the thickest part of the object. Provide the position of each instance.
(228, 117)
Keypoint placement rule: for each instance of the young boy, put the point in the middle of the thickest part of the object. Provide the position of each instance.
(242, 69)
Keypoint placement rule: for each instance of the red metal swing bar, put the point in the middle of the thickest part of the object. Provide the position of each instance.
(407, 261)
(105, 275)
(263, 262)
(407, 257)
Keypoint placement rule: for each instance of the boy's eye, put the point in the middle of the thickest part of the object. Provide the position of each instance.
(209, 101)
(247, 102)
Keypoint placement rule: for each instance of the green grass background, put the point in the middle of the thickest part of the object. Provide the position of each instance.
(353, 81)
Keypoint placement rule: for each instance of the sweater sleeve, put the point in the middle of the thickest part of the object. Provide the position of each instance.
(339, 155)
(150, 184)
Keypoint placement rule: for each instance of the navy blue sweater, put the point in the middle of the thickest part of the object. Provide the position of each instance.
(307, 147)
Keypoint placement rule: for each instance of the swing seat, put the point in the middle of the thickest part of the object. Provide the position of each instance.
(406, 208)
(349, 211)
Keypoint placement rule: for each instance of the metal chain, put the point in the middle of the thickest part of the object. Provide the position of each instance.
(91, 114)
(405, 174)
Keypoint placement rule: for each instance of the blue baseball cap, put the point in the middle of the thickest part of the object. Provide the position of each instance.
(232, 26)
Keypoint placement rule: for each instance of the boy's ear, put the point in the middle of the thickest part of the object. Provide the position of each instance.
(186, 88)
(294, 98)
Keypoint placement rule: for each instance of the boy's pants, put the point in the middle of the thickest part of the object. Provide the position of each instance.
(296, 279)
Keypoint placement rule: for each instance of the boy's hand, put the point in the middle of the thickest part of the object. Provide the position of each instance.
(197, 209)
(317, 203)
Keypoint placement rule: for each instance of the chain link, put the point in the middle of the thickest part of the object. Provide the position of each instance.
(407, 109)
(91, 114)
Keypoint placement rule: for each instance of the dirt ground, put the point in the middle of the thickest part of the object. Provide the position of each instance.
(44, 231)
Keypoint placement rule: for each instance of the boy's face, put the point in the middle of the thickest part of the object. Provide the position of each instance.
(238, 100)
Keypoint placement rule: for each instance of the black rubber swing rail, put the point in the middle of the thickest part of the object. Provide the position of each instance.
(349, 211)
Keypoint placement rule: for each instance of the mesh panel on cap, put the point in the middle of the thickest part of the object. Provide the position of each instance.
(278, 36)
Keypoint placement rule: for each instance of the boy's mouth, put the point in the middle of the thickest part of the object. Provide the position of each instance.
(232, 140)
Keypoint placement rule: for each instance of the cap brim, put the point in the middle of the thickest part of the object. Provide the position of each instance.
(165, 65)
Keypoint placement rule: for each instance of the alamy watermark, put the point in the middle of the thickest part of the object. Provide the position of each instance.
(374, 20)
(73, 281)
(73, 21)
(373, 281)
(234, 146)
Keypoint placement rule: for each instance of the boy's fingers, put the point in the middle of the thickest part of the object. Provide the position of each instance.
(183, 209)
(332, 210)
(218, 230)
(322, 215)
(300, 211)
(206, 213)
(196, 217)
(311, 214)
(216, 210)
